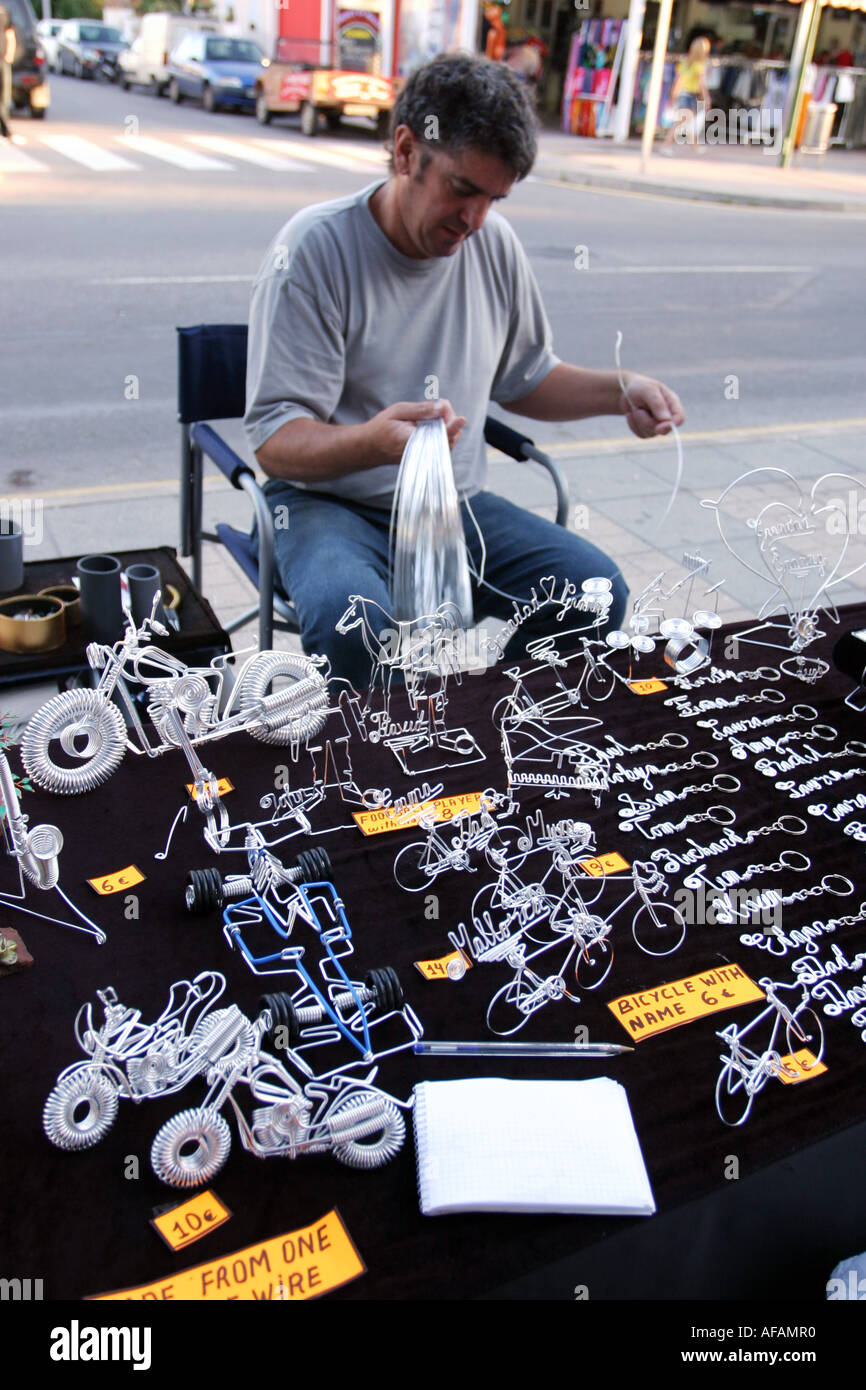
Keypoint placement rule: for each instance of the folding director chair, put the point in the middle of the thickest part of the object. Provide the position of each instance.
(211, 385)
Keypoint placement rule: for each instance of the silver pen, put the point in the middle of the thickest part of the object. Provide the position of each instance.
(519, 1049)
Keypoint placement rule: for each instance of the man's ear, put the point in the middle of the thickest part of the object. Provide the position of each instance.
(404, 144)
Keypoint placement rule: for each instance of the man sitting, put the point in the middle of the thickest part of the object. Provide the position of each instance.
(368, 304)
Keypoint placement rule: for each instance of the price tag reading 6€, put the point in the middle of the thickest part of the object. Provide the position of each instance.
(104, 884)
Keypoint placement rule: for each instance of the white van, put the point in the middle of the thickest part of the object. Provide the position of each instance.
(144, 63)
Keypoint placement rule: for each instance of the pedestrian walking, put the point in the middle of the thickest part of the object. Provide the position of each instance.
(690, 84)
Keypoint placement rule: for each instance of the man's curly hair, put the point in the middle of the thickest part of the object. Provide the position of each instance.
(477, 105)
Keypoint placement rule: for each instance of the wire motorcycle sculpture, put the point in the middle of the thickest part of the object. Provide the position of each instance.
(78, 738)
(350, 1118)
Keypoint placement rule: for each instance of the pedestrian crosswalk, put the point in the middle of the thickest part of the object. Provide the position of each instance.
(109, 153)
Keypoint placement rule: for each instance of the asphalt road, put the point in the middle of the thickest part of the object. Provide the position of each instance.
(99, 265)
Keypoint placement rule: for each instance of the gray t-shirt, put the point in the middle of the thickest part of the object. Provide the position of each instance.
(342, 325)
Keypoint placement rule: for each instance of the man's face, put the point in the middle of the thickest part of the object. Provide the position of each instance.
(446, 201)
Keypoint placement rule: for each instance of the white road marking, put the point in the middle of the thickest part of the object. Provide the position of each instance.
(170, 153)
(15, 161)
(318, 155)
(85, 152)
(265, 159)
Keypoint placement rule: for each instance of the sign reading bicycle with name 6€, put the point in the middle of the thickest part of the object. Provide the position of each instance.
(651, 1011)
(402, 818)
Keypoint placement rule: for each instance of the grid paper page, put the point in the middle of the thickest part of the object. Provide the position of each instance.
(490, 1144)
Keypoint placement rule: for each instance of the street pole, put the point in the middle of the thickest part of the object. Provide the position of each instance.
(655, 82)
(633, 36)
(798, 77)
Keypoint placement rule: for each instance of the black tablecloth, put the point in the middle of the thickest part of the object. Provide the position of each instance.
(80, 1221)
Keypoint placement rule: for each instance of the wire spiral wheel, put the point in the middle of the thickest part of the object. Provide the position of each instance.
(80, 1110)
(88, 729)
(368, 1117)
(288, 715)
(190, 1148)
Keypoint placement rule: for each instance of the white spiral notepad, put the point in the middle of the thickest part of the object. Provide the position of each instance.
(489, 1144)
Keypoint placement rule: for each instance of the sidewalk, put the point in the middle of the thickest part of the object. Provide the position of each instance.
(742, 174)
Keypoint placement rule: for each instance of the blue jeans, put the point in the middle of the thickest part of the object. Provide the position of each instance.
(332, 549)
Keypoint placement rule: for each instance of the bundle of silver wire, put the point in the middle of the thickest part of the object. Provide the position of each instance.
(429, 564)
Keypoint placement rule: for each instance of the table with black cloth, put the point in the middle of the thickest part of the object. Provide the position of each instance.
(742, 1212)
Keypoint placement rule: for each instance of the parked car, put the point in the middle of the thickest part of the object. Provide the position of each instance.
(217, 70)
(145, 63)
(47, 31)
(29, 88)
(84, 46)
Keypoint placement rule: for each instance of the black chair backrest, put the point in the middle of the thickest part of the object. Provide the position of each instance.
(212, 370)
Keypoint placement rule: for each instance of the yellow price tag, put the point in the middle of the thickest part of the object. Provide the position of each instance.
(450, 967)
(186, 1223)
(651, 1011)
(104, 884)
(604, 864)
(389, 818)
(223, 786)
(804, 1063)
(298, 1265)
(647, 687)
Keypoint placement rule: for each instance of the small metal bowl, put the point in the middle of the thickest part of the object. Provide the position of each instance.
(70, 598)
(32, 623)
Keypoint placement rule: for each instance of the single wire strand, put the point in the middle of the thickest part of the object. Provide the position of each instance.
(674, 430)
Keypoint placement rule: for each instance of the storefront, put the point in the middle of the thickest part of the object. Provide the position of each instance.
(749, 66)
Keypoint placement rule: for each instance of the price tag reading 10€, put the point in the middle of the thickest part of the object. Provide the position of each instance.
(182, 1225)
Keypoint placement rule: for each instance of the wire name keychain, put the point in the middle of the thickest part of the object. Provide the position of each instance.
(769, 767)
(717, 675)
(789, 861)
(671, 861)
(644, 773)
(722, 782)
(719, 815)
(796, 790)
(808, 938)
(841, 811)
(670, 740)
(686, 710)
(824, 733)
(743, 725)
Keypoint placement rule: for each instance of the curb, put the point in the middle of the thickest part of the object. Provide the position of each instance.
(642, 184)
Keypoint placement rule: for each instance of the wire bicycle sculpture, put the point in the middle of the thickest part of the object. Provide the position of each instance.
(746, 1071)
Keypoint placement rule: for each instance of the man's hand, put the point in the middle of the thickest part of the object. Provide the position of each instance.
(309, 451)
(387, 434)
(649, 407)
